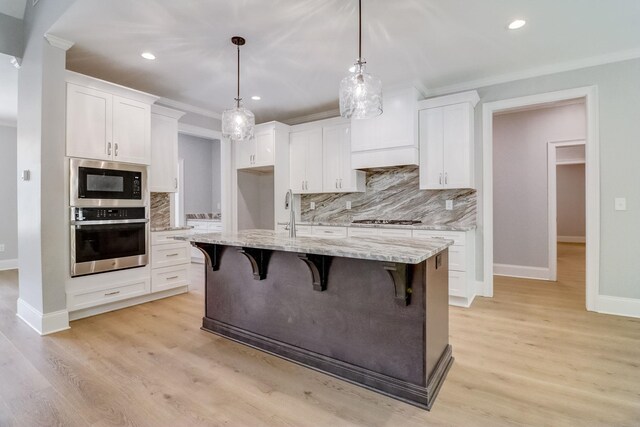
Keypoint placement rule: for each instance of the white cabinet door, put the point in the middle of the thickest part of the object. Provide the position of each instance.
(364, 135)
(395, 127)
(89, 118)
(131, 131)
(314, 161)
(431, 149)
(264, 155)
(298, 160)
(331, 161)
(457, 170)
(163, 173)
(245, 153)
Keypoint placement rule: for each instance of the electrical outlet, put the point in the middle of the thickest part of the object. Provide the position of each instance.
(2, 247)
(448, 205)
(621, 204)
(312, 205)
(349, 204)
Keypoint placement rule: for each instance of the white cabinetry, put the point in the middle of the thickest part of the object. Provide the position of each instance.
(337, 175)
(306, 161)
(390, 139)
(257, 152)
(170, 260)
(106, 121)
(446, 141)
(163, 173)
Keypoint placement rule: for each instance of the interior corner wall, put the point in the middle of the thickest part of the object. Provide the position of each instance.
(8, 193)
(570, 180)
(520, 195)
(618, 109)
(216, 172)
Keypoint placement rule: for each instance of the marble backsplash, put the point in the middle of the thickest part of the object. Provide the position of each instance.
(160, 210)
(393, 193)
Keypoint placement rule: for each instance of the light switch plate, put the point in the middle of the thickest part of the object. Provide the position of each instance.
(448, 205)
(312, 205)
(621, 204)
(348, 204)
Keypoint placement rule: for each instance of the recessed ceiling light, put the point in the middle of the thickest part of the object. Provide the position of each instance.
(518, 23)
(256, 98)
(148, 55)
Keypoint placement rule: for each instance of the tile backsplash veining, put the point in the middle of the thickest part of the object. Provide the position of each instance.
(393, 193)
(160, 210)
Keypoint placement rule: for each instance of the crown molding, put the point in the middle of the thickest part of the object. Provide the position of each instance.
(189, 108)
(312, 117)
(536, 72)
(58, 42)
(198, 131)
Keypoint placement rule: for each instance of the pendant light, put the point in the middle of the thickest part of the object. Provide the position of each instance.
(360, 92)
(238, 122)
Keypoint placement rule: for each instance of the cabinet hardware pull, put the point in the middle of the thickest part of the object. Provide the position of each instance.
(172, 277)
(446, 179)
(175, 180)
(115, 149)
(340, 182)
(111, 293)
(440, 181)
(172, 254)
(302, 185)
(336, 182)
(108, 148)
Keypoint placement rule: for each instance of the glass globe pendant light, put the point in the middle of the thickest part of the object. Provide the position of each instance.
(238, 123)
(360, 92)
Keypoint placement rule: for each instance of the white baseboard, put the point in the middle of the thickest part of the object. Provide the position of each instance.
(42, 324)
(572, 239)
(619, 306)
(8, 264)
(521, 271)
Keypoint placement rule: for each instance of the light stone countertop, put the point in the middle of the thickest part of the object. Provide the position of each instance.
(436, 227)
(406, 251)
(169, 228)
(205, 219)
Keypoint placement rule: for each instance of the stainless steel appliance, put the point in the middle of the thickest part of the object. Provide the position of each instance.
(97, 183)
(107, 239)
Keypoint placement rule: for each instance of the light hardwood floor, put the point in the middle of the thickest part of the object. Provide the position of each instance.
(531, 355)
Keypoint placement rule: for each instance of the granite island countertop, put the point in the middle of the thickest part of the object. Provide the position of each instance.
(434, 227)
(406, 251)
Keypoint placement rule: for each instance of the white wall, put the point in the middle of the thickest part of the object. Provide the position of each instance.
(8, 195)
(255, 200)
(619, 130)
(521, 224)
(201, 173)
(570, 181)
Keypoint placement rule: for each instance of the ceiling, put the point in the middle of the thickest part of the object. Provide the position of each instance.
(298, 50)
(8, 90)
(13, 8)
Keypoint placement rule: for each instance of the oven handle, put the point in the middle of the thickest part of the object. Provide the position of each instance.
(110, 221)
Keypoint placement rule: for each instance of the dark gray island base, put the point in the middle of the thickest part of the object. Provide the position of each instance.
(380, 324)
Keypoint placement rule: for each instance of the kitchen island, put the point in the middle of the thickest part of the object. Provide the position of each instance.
(371, 311)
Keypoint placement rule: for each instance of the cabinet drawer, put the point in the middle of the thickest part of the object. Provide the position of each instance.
(214, 227)
(169, 277)
(198, 226)
(326, 231)
(395, 232)
(458, 237)
(458, 283)
(105, 295)
(363, 232)
(457, 259)
(170, 254)
(166, 237)
(302, 230)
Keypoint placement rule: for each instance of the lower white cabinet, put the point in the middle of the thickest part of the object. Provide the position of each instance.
(170, 261)
(92, 296)
(328, 231)
(202, 226)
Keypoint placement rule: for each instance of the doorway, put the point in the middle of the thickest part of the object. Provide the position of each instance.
(589, 95)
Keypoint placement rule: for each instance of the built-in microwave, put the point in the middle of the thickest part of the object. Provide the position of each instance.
(96, 183)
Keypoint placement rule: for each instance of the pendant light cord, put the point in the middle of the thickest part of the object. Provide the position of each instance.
(359, 30)
(238, 98)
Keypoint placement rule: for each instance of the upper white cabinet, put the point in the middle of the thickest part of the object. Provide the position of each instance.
(390, 139)
(163, 172)
(257, 152)
(446, 141)
(306, 161)
(337, 174)
(107, 121)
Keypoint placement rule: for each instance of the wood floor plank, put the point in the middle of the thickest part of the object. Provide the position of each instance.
(532, 355)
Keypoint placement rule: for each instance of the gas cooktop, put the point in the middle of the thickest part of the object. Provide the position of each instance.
(387, 221)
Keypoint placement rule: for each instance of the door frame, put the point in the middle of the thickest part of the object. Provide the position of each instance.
(592, 156)
(552, 200)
